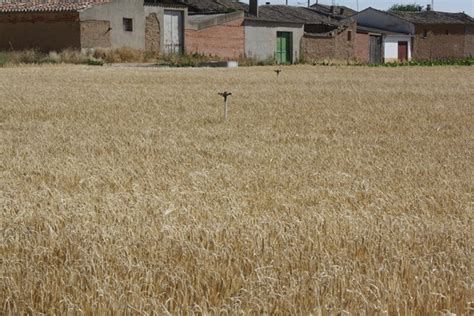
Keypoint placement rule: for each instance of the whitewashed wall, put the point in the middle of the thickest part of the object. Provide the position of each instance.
(391, 46)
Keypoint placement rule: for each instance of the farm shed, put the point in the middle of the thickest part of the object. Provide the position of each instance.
(53, 25)
(273, 32)
(432, 34)
(376, 46)
(56, 25)
(326, 34)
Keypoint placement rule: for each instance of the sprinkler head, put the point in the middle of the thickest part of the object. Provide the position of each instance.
(225, 94)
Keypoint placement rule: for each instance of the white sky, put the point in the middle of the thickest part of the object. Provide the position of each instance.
(440, 5)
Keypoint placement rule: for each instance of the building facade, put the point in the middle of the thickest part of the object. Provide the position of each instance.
(421, 35)
(90, 24)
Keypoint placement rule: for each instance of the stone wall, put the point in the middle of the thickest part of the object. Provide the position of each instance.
(43, 31)
(336, 45)
(469, 41)
(441, 41)
(152, 33)
(225, 40)
(95, 34)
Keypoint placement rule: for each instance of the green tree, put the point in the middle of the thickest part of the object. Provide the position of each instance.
(406, 7)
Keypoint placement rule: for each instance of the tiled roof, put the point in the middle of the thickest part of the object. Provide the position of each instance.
(48, 5)
(342, 11)
(204, 6)
(292, 14)
(434, 17)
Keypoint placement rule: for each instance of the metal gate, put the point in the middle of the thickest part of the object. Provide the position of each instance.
(284, 50)
(173, 29)
(375, 49)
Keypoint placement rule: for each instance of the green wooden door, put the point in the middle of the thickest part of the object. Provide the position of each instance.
(284, 51)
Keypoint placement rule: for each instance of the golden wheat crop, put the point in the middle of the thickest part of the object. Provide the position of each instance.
(330, 190)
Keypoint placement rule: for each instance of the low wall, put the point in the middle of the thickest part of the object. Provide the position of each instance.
(225, 40)
(43, 31)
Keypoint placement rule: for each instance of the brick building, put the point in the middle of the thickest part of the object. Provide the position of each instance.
(419, 35)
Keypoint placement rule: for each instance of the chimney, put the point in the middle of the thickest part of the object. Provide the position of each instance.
(253, 7)
(333, 9)
(428, 7)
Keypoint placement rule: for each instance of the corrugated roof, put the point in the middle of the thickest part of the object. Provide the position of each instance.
(434, 17)
(48, 5)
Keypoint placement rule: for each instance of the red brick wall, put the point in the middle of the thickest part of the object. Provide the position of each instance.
(95, 34)
(44, 31)
(469, 41)
(225, 40)
(443, 41)
(362, 47)
(337, 47)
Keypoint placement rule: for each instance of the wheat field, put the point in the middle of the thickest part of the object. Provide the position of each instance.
(329, 191)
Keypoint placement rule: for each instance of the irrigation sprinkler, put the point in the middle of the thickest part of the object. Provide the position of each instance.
(278, 72)
(225, 95)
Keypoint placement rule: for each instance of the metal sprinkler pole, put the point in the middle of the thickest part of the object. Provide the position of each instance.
(225, 95)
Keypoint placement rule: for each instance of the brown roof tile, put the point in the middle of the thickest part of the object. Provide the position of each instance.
(434, 17)
(48, 5)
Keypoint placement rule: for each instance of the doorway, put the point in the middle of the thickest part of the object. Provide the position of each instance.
(173, 32)
(402, 51)
(284, 49)
(375, 49)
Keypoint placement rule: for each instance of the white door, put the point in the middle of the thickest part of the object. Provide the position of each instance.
(173, 32)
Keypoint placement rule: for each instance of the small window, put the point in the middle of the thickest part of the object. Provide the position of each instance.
(447, 32)
(128, 25)
(425, 34)
(349, 36)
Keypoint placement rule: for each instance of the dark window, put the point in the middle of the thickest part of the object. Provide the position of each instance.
(447, 32)
(425, 33)
(128, 25)
(349, 36)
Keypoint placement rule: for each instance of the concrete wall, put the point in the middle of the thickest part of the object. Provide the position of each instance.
(442, 41)
(260, 38)
(390, 43)
(114, 12)
(43, 31)
(362, 47)
(224, 40)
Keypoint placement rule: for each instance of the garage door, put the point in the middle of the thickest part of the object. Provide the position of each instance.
(173, 32)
